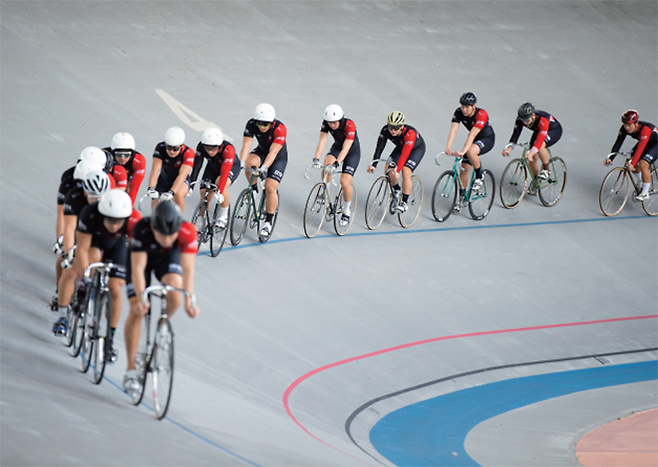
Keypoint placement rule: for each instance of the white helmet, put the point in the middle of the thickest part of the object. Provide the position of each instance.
(115, 203)
(96, 182)
(212, 137)
(174, 136)
(333, 113)
(123, 141)
(87, 165)
(94, 154)
(264, 113)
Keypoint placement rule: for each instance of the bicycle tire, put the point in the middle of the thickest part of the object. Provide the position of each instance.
(262, 218)
(444, 195)
(650, 205)
(80, 320)
(71, 316)
(377, 203)
(513, 184)
(143, 358)
(201, 223)
(414, 203)
(315, 210)
(162, 367)
(218, 234)
(240, 217)
(614, 191)
(550, 191)
(87, 346)
(101, 336)
(338, 203)
(480, 203)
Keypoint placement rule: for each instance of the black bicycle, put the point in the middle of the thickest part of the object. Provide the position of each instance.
(208, 228)
(248, 210)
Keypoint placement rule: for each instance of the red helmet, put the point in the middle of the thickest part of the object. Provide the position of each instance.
(630, 116)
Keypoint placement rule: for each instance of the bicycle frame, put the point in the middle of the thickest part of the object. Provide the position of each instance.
(456, 169)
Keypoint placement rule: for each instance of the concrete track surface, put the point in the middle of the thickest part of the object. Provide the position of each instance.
(304, 345)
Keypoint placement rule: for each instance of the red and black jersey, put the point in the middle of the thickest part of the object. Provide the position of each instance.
(221, 163)
(480, 119)
(144, 240)
(67, 182)
(135, 170)
(540, 126)
(646, 134)
(90, 221)
(406, 140)
(171, 165)
(275, 134)
(346, 131)
(75, 201)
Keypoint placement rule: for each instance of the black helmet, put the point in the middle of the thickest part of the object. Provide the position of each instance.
(468, 98)
(166, 217)
(526, 111)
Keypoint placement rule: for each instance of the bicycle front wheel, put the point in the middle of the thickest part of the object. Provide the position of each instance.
(143, 358)
(614, 191)
(101, 336)
(480, 201)
(315, 209)
(444, 195)
(218, 234)
(262, 218)
(513, 184)
(377, 203)
(71, 317)
(87, 345)
(240, 217)
(162, 361)
(200, 221)
(341, 227)
(414, 203)
(78, 332)
(550, 191)
(650, 205)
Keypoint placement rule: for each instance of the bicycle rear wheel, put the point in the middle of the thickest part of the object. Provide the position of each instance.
(262, 218)
(71, 317)
(162, 367)
(315, 209)
(444, 195)
(338, 215)
(78, 332)
(101, 336)
(480, 202)
(240, 217)
(550, 191)
(87, 345)
(218, 234)
(614, 191)
(414, 203)
(200, 221)
(143, 358)
(650, 205)
(513, 184)
(377, 203)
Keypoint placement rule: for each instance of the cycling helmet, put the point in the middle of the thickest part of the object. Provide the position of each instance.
(123, 141)
(115, 203)
(526, 111)
(468, 98)
(166, 218)
(93, 154)
(395, 118)
(85, 166)
(174, 136)
(630, 116)
(264, 113)
(333, 113)
(96, 182)
(212, 137)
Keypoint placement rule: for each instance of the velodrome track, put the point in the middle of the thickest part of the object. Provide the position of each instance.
(305, 349)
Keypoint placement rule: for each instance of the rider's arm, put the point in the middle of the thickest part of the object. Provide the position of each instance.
(198, 162)
(518, 126)
(70, 223)
(185, 169)
(138, 261)
(227, 165)
(645, 135)
(120, 177)
(60, 221)
(187, 240)
(279, 139)
(350, 135)
(381, 143)
(139, 172)
(454, 127)
(407, 145)
(83, 241)
(155, 171)
(481, 119)
(247, 141)
(321, 144)
(541, 131)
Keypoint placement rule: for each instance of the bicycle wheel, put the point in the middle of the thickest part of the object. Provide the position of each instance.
(650, 205)
(414, 203)
(162, 367)
(71, 317)
(262, 218)
(614, 191)
(513, 184)
(444, 195)
(315, 209)
(480, 202)
(218, 234)
(377, 203)
(339, 209)
(550, 191)
(101, 336)
(240, 217)
(143, 358)
(200, 221)
(87, 345)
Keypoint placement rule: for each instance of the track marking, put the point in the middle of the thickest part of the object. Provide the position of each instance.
(184, 113)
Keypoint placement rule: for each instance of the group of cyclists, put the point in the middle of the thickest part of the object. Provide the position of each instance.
(97, 220)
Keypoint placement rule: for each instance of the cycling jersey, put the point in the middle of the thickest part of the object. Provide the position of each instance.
(545, 128)
(223, 165)
(75, 201)
(67, 182)
(407, 140)
(143, 239)
(276, 133)
(171, 165)
(345, 131)
(647, 136)
(135, 169)
(480, 119)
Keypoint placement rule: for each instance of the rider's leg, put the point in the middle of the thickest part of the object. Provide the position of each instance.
(272, 199)
(179, 197)
(173, 298)
(406, 181)
(131, 331)
(115, 284)
(252, 161)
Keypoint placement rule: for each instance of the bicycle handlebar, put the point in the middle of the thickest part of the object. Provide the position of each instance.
(162, 291)
(100, 265)
(206, 185)
(457, 159)
(328, 170)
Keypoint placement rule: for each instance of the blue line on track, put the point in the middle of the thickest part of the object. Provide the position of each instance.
(433, 432)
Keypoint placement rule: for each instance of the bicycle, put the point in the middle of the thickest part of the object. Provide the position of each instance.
(160, 197)
(518, 179)
(95, 338)
(208, 229)
(155, 354)
(319, 207)
(245, 211)
(381, 198)
(449, 187)
(616, 187)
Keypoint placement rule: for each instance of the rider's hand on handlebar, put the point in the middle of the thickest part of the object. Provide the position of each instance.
(152, 193)
(168, 196)
(58, 245)
(507, 150)
(67, 259)
(370, 169)
(316, 163)
(262, 172)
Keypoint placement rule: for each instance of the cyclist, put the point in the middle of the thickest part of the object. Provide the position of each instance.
(271, 156)
(409, 151)
(103, 229)
(546, 131)
(222, 168)
(480, 140)
(346, 150)
(122, 151)
(95, 182)
(167, 246)
(645, 152)
(172, 163)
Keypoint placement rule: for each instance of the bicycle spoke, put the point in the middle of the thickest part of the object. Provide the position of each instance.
(481, 200)
(550, 191)
(414, 203)
(163, 367)
(614, 191)
(314, 211)
(217, 233)
(340, 226)
(377, 203)
(240, 217)
(513, 184)
(650, 205)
